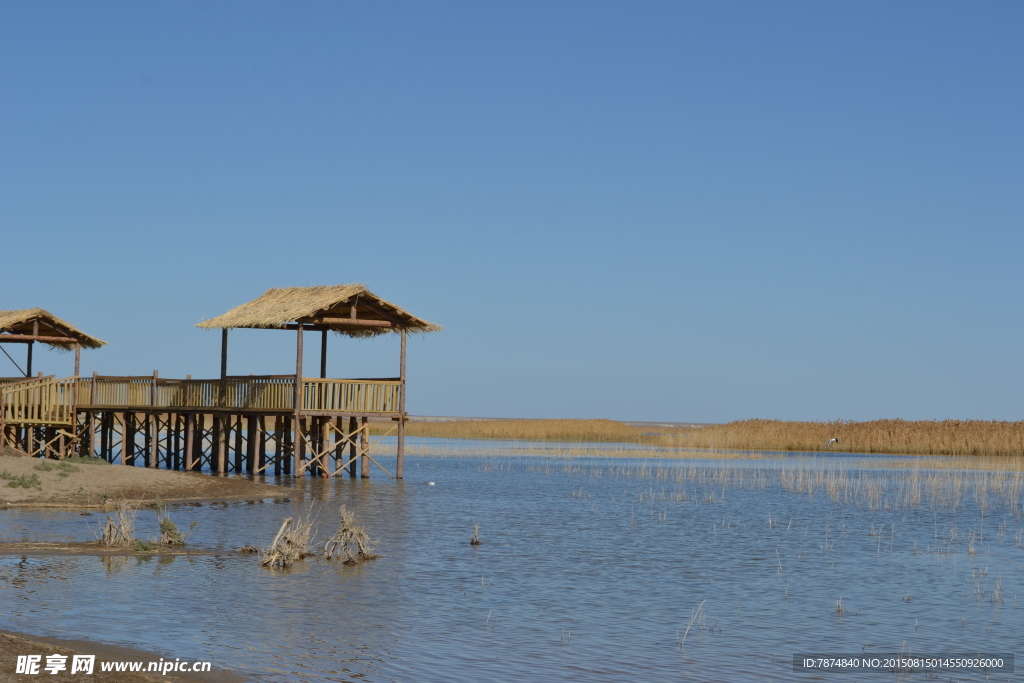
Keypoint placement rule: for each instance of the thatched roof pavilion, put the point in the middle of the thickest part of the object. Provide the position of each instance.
(352, 310)
(36, 324)
(31, 325)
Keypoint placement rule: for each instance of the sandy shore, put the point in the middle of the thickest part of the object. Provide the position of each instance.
(14, 644)
(28, 481)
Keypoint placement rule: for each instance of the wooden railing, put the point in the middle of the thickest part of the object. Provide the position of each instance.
(351, 395)
(38, 401)
(253, 392)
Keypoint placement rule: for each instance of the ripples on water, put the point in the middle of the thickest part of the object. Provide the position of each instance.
(590, 570)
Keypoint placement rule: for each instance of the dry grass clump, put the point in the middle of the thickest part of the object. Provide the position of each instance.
(169, 532)
(350, 541)
(119, 531)
(476, 535)
(291, 544)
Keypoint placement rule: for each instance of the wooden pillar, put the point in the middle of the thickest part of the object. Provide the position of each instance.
(28, 360)
(339, 444)
(289, 447)
(302, 431)
(105, 435)
(152, 439)
(237, 422)
(224, 353)
(298, 442)
(364, 449)
(353, 426)
(174, 441)
(323, 354)
(279, 451)
(220, 425)
(261, 443)
(128, 440)
(78, 358)
(190, 429)
(250, 444)
(400, 450)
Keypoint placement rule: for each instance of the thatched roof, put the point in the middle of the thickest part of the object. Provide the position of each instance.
(329, 307)
(23, 322)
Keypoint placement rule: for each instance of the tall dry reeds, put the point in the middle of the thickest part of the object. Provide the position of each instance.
(945, 437)
(532, 430)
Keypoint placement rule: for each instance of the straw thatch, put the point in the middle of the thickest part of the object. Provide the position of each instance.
(22, 322)
(327, 307)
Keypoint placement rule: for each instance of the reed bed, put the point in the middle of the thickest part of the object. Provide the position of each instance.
(897, 437)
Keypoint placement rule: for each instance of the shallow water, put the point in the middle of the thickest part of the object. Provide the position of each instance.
(591, 569)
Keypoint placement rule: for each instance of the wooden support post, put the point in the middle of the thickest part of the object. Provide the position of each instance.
(323, 354)
(224, 353)
(261, 448)
(339, 444)
(250, 444)
(174, 441)
(89, 447)
(364, 449)
(128, 440)
(237, 422)
(279, 443)
(78, 358)
(105, 436)
(289, 447)
(152, 439)
(28, 360)
(352, 427)
(221, 435)
(301, 437)
(400, 450)
(190, 429)
(298, 442)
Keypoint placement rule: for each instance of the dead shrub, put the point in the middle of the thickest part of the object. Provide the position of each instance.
(290, 545)
(350, 542)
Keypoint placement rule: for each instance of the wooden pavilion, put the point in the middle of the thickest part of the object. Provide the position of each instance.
(321, 404)
(285, 424)
(34, 411)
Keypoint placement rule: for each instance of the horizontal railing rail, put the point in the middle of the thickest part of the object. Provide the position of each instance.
(255, 392)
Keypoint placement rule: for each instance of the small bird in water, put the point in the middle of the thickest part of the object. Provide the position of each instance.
(430, 483)
(832, 441)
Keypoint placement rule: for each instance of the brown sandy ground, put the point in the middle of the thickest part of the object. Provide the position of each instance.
(94, 548)
(91, 483)
(14, 644)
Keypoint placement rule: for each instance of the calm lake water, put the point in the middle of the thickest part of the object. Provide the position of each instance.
(591, 569)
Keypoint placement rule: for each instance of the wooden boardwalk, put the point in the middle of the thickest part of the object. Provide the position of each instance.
(280, 424)
(241, 424)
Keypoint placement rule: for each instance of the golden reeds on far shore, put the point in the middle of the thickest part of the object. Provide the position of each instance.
(899, 437)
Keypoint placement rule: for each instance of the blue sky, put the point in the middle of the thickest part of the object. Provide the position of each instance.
(661, 211)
